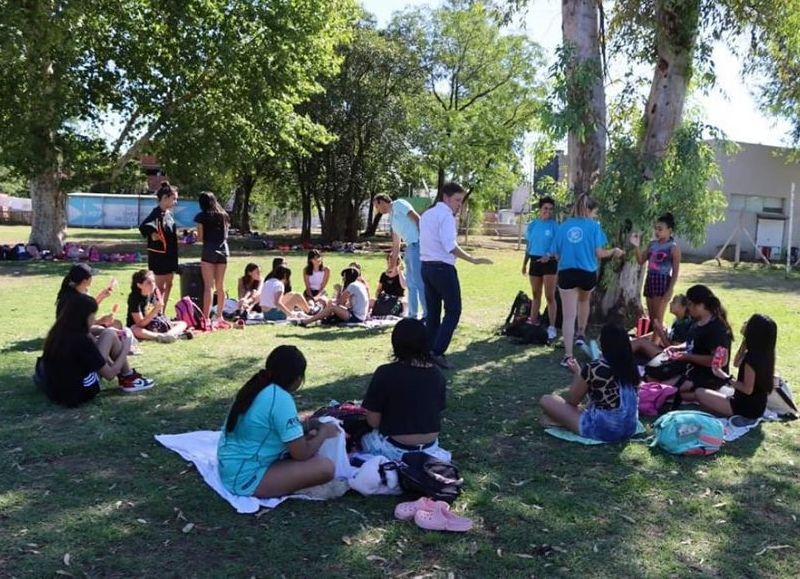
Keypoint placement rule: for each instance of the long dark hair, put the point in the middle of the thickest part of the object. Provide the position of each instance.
(247, 279)
(410, 342)
(309, 269)
(285, 366)
(137, 278)
(276, 262)
(350, 275)
(283, 274)
(71, 322)
(75, 276)
(209, 204)
(700, 294)
(617, 351)
(760, 338)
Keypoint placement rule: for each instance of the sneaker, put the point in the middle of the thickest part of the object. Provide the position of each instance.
(166, 338)
(566, 361)
(135, 382)
(580, 340)
(552, 333)
(332, 489)
(441, 361)
(188, 334)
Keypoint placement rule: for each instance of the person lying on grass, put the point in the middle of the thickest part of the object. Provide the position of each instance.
(146, 312)
(262, 450)
(276, 303)
(611, 384)
(405, 399)
(352, 304)
(73, 360)
(756, 362)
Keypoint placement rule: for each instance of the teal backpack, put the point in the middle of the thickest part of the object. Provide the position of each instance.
(688, 432)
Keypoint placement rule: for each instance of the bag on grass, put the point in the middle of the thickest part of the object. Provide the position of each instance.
(661, 368)
(688, 432)
(522, 332)
(352, 417)
(424, 475)
(387, 305)
(780, 400)
(187, 311)
(520, 309)
(653, 396)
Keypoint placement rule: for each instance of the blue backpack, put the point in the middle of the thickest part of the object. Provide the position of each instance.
(688, 432)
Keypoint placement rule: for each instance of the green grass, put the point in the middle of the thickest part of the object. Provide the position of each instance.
(93, 483)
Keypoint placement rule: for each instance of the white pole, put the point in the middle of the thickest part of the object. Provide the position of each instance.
(791, 226)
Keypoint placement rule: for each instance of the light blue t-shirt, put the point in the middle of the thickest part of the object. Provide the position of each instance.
(576, 243)
(258, 440)
(540, 235)
(402, 224)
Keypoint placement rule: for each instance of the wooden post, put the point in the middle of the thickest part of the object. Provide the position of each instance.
(791, 226)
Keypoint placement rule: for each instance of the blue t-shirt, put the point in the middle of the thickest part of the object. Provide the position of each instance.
(402, 224)
(576, 243)
(258, 440)
(540, 235)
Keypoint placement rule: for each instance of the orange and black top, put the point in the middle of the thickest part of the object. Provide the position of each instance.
(162, 248)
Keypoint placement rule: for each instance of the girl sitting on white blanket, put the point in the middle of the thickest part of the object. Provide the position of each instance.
(262, 451)
(351, 306)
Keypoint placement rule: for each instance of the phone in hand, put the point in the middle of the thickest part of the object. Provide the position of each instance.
(720, 355)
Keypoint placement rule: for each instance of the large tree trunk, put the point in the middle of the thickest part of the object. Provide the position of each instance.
(49, 205)
(587, 153)
(676, 32)
(245, 183)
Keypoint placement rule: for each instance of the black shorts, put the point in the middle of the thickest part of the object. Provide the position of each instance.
(214, 257)
(162, 263)
(577, 279)
(311, 294)
(539, 269)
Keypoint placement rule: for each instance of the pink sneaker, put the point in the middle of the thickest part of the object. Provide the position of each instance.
(441, 519)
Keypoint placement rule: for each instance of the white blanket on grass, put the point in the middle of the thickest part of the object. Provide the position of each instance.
(200, 448)
(370, 324)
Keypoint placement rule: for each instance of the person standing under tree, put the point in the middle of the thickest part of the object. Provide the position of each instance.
(405, 223)
(212, 230)
(161, 232)
(438, 251)
(543, 266)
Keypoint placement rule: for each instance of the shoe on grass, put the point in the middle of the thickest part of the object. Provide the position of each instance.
(580, 340)
(552, 333)
(166, 338)
(135, 382)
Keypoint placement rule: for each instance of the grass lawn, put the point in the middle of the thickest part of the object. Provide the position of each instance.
(93, 483)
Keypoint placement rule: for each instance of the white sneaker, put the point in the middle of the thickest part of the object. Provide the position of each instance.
(166, 338)
(552, 333)
(333, 489)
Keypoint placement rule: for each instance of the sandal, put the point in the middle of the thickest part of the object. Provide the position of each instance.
(441, 518)
(406, 511)
(239, 325)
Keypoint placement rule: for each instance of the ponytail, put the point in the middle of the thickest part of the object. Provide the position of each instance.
(246, 395)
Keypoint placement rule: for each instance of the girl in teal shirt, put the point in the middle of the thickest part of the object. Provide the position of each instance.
(262, 450)
(542, 273)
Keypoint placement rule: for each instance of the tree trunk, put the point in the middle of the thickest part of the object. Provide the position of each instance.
(587, 153)
(245, 183)
(676, 32)
(439, 183)
(373, 220)
(49, 206)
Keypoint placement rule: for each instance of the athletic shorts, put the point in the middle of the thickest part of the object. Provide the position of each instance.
(162, 263)
(577, 279)
(213, 256)
(539, 269)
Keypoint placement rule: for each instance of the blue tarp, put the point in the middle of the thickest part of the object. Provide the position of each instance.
(121, 211)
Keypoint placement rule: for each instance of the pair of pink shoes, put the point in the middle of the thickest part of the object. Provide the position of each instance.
(432, 516)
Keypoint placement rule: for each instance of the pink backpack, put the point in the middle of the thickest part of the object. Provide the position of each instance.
(94, 254)
(187, 311)
(652, 396)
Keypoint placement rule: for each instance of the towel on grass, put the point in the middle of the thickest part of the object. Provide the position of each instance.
(200, 448)
(570, 436)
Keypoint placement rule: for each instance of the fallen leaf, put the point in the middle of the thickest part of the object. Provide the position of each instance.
(64, 573)
(772, 548)
(347, 540)
(376, 558)
(719, 505)
(187, 528)
(499, 552)
(520, 483)
(142, 521)
(523, 556)
(144, 455)
(631, 520)
(66, 559)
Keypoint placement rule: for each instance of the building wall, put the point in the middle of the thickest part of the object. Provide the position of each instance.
(756, 179)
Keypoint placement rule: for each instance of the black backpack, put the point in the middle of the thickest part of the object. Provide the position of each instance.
(387, 305)
(520, 309)
(522, 332)
(353, 418)
(424, 475)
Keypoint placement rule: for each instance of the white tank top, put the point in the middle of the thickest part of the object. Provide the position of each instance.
(315, 280)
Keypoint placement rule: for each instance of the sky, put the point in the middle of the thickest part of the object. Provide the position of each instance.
(730, 106)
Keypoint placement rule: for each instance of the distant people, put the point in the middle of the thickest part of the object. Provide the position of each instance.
(315, 277)
(146, 317)
(439, 250)
(754, 382)
(276, 304)
(262, 449)
(543, 265)
(405, 399)
(77, 282)
(248, 290)
(73, 361)
(578, 246)
(352, 304)
(611, 385)
(663, 257)
(404, 221)
(161, 232)
(212, 230)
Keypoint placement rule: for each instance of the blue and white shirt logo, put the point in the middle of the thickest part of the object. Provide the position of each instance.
(575, 235)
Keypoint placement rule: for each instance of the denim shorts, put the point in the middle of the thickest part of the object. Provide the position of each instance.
(275, 315)
(616, 424)
(373, 442)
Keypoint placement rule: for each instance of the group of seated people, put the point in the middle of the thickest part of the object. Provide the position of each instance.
(692, 356)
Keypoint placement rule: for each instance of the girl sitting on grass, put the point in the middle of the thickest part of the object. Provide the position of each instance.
(649, 348)
(352, 304)
(77, 282)
(276, 303)
(146, 312)
(612, 386)
(756, 362)
(315, 277)
(262, 451)
(70, 368)
(249, 290)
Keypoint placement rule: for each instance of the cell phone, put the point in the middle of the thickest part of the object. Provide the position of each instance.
(720, 355)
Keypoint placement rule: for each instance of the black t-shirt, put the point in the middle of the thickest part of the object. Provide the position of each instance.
(680, 330)
(162, 223)
(138, 304)
(215, 232)
(391, 285)
(750, 405)
(409, 398)
(67, 295)
(702, 341)
(71, 373)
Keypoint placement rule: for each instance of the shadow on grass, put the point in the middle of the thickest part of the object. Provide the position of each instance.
(30, 345)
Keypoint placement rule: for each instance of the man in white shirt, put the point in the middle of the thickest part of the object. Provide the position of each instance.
(439, 249)
(405, 227)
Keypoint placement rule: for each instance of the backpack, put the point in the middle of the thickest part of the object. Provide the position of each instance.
(424, 475)
(19, 253)
(688, 432)
(353, 418)
(661, 368)
(387, 305)
(653, 396)
(94, 254)
(524, 333)
(520, 309)
(780, 400)
(187, 311)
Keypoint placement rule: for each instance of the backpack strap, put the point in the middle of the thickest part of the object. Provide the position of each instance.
(383, 468)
